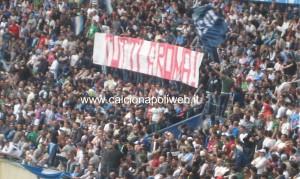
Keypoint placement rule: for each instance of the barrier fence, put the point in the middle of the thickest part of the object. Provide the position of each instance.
(192, 122)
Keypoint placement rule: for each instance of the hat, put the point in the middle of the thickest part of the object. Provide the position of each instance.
(262, 151)
(38, 51)
(283, 157)
(275, 154)
(190, 138)
(202, 153)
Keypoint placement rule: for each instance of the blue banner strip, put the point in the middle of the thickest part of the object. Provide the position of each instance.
(192, 122)
(296, 2)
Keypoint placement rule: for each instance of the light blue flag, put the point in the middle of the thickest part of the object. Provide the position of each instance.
(280, 1)
(109, 8)
(78, 25)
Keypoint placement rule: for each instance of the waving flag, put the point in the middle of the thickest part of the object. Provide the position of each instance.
(78, 25)
(109, 8)
(211, 27)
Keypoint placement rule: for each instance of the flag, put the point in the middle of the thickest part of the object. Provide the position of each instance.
(78, 25)
(109, 8)
(294, 121)
(194, 123)
(211, 28)
(280, 1)
(46, 173)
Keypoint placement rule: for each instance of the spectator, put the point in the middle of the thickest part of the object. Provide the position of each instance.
(250, 100)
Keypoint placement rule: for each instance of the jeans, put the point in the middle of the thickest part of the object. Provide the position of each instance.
(52, 150)
(224, 98)
(269, 41)
(3, 63)
(213, 102)
(153, 126)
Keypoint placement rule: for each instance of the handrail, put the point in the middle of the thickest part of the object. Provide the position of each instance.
(174, 126)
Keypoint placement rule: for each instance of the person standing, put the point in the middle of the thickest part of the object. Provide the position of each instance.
(227, 84)
(111, 159)
(260, 162)
(53, 145)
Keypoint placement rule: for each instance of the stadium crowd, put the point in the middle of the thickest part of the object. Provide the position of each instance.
(251, 100)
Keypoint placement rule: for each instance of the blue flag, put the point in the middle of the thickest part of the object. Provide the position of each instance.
(78, 25)
(280, 1)
(109, 8)
(211, 27)
(46, 173)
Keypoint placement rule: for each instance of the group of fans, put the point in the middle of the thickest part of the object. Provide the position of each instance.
(250, 100)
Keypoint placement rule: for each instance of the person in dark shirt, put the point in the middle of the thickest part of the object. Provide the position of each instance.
(111, 159)
(213, 90)
(239, 97)
(54, 135)
(227, 84)
(291, 67)
(53, 146)
(77, 133)
(24, 73)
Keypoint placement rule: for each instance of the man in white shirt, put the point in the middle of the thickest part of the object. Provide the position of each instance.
(220, 170)
(110, 84)
(260, 162)
(285, 126)
(74, 58)
(54, 68)
(12, 149)
(269, 141)
(187, 156)
(281, 111)
(30, 96)
(281, 143)
(17, 107)
(157, 113)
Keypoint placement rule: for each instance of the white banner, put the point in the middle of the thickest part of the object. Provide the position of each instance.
(157, 59)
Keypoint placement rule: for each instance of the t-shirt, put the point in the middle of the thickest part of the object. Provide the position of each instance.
(32, 137)
(292, 69)
(226, 84)
(92, 30)
(14, 29)
(110, 84)
(260, 164)
(269, 142)
(285, 128)
(54, 135)
(74, 60)
(156, 112)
